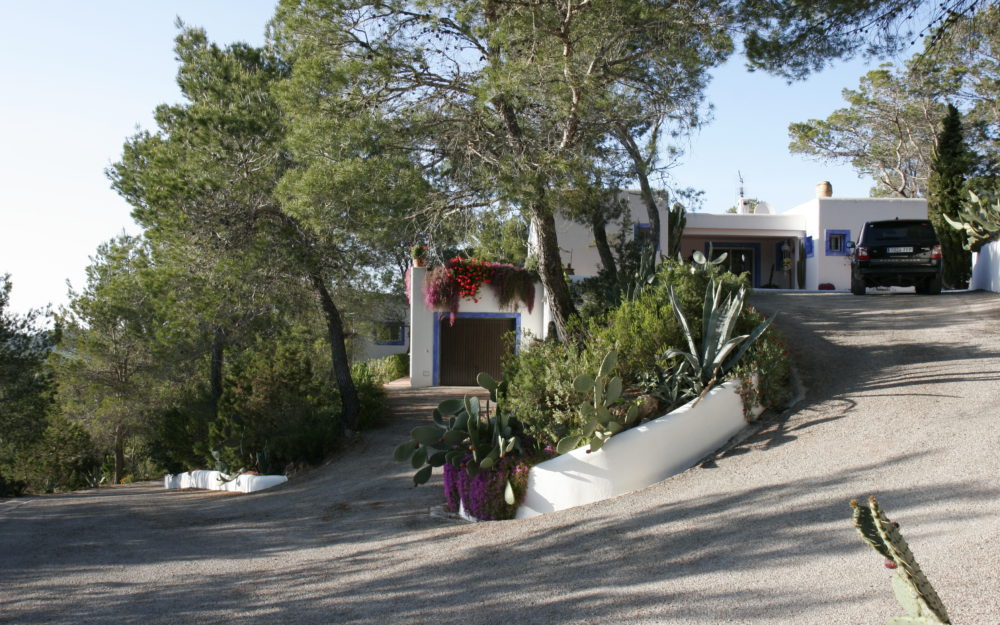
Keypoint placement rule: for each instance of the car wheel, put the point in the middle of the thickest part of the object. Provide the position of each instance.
(857, 286)
(932, 286)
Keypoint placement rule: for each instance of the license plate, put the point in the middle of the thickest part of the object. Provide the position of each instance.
(899, 250)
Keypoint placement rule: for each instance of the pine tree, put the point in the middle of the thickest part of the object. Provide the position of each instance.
(951, 164)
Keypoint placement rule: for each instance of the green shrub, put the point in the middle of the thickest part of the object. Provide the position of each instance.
(383, 370)
(180, 434)
(690, 285)
(643, 329)
(371, 397)
(639, 330)
(64, 459)
(767, 361)
(540, 378)
(277, 408)
(400, 366)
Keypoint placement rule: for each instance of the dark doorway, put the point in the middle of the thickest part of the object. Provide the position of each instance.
(739, 260)
(472, 345)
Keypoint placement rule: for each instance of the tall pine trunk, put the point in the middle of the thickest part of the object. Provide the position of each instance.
(119, 454)
(217, 366)
(550, 268)
(338, 352)
(641, 168)
(599, 225)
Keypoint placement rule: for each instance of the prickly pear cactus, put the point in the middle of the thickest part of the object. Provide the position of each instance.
(464, 434)
(911, 587)
(601, 423)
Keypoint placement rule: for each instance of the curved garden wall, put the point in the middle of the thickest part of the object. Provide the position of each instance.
(638, 457)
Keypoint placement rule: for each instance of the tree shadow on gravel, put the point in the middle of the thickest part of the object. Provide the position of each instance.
(607, 568)
(361, 494)
(314, 552)
(885, 359)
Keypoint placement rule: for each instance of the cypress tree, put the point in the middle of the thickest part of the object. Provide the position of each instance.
(951, 164)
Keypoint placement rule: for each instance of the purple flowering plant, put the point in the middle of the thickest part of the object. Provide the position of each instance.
(482, 450)
(483, 495)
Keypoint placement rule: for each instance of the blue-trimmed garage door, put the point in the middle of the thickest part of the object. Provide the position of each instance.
(470, 346)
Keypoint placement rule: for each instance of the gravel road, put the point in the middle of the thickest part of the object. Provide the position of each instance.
(902, 400)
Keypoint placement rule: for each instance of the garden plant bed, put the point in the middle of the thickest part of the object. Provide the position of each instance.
(639, 457)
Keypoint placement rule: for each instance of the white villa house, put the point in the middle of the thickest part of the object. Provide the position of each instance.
(817, 231)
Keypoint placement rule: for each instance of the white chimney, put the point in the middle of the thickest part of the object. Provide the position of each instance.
(824, 189)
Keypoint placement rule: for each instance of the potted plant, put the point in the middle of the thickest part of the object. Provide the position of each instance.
(419, 255)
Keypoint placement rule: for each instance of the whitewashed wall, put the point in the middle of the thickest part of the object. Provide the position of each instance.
(422, 320)
(367, 349)
(214, 480)
(986, 268)
(636, 458)
(577, 240)
(759, 232)
(832, 213)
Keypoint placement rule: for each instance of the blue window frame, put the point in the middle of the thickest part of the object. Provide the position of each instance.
(390, 333)
(836, 242)
(809, 247)
(644, 232)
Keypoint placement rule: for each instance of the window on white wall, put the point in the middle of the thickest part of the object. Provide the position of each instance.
(390, 333)
(836, 242)
(643, 233)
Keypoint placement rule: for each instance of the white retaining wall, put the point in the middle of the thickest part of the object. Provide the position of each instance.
(214, 480)
(638, 457)
(986, 268)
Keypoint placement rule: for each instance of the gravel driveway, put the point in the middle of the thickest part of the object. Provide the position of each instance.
(902, 399)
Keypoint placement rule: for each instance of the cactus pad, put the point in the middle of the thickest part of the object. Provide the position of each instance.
(911, 587)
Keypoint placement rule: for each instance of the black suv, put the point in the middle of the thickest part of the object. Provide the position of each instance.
(900, 252)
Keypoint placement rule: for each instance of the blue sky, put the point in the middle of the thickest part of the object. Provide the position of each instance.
(80, 77)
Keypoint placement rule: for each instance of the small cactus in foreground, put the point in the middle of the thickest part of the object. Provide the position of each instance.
(913, 591)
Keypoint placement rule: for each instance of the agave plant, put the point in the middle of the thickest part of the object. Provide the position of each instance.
(703, 367)
(645, 275)
(980, 222)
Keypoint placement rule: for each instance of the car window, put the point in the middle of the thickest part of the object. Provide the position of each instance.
(885, 234)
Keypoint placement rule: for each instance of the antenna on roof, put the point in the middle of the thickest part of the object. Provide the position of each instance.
(739, 176)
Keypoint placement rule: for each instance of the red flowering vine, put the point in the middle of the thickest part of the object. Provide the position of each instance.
(461, 278)
(470, 274)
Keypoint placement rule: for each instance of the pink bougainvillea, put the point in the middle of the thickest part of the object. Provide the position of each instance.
(446, 285)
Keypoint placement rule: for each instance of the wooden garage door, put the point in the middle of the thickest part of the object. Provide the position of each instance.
(471, 345)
